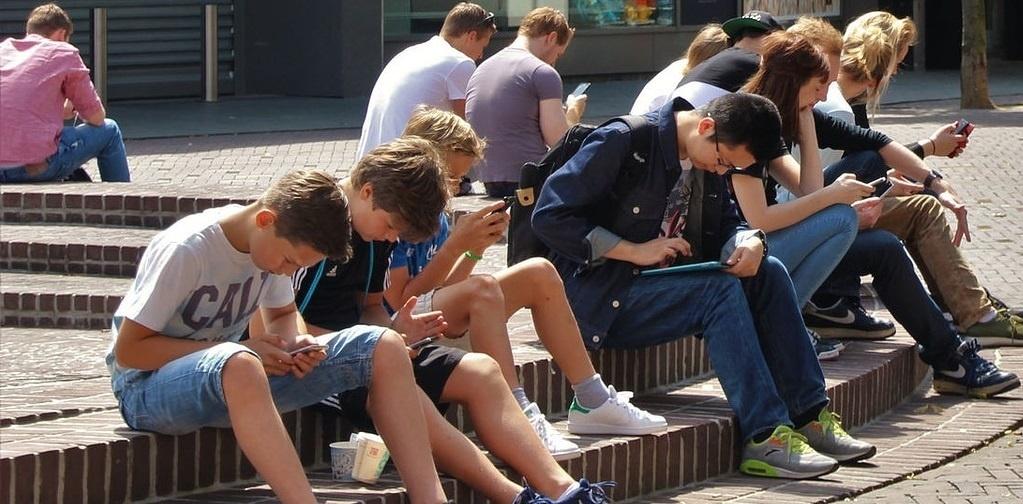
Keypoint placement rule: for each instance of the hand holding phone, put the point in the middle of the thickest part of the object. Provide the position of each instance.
(963, 127)
(877, 182)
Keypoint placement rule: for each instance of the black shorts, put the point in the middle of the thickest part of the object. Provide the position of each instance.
(432, 368)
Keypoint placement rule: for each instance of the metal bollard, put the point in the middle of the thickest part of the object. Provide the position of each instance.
(99, 51)
(211, 70)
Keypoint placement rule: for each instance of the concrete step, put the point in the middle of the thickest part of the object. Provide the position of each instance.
(100, 460)
(64, 248)
(60, 301)
(700, 444)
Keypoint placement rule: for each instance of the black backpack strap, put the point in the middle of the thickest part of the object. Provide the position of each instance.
(641, 133)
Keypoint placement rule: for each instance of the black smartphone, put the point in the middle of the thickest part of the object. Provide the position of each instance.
(963, 127)
(875, 183)
(508, 202)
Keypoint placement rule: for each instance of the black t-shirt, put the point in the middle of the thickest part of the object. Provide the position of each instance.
(337, 301)
(728, 69)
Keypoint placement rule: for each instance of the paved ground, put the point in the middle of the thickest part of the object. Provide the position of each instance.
(993, 474)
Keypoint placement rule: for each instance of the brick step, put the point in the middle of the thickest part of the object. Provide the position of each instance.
(147, 205)
(107, 251)
(101, 460)
(924, 432)
(60, 301)
(699, 444)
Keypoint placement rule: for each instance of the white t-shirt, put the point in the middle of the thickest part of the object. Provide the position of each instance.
(431, 73)
(836, 107)
(193, 284)
(657, 91)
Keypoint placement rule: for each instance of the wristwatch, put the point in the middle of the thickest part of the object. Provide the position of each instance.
(931, 177)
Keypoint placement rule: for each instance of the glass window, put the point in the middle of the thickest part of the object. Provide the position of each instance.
(411, 17)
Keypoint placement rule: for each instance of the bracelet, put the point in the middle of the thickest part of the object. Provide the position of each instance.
(472, 255)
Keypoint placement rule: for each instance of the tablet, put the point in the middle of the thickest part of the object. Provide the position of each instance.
(686, 268)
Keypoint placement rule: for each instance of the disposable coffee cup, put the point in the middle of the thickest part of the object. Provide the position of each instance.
(342, 460)
(371, 456)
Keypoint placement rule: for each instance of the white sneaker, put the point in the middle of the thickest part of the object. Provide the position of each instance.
(560, 448)
(616, 416)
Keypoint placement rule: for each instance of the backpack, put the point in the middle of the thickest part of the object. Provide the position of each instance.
(522, 242)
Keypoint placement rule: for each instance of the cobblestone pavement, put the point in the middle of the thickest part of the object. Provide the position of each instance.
(993, 474)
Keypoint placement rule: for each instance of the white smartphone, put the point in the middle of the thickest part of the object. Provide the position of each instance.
(580, 89)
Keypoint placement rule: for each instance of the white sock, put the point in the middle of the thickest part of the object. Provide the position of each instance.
(988, 317)
(571, 488)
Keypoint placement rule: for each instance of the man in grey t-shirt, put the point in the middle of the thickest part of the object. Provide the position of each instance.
(514, 100)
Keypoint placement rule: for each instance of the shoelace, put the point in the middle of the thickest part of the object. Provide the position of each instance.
(595, 492)
(540, 426)
(794, 441)
(832, 422)
(623, 399)
(969, 350)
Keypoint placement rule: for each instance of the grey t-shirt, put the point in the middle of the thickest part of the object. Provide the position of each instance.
(503, 106)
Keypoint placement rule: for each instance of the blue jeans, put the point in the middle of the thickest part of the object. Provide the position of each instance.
(77, 145)
(752, 328)
(880, 254)
(812, 247)
(188, 393)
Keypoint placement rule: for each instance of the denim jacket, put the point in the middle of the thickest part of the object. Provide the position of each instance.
(588, 205)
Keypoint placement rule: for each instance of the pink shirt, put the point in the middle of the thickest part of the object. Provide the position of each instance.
(36, 75)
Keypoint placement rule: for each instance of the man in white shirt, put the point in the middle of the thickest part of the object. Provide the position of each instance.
(435, 73)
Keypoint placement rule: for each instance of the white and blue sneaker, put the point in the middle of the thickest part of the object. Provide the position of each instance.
(559, 447)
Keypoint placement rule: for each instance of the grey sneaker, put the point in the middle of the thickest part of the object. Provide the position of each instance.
(827, 436)
(785, 455)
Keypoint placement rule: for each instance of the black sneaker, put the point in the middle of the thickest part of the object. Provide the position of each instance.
(972, 375)
(846, 319)
(79, 175)
(826, 350)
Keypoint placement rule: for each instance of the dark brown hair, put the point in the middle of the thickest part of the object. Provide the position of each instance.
(48, 18)
(788, 61)
(467, 17)
(408, 180)
(312, 210)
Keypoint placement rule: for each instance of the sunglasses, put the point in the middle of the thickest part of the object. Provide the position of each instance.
(487, 20)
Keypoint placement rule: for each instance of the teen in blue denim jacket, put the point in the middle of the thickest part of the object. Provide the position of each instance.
(605, 224)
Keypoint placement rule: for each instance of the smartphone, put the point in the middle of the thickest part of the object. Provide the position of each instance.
(875, 183)
(963, 127)
(580, 89)
(886, 191)
(686, 268)
(421, 343)
(307, 349)
(508, 202)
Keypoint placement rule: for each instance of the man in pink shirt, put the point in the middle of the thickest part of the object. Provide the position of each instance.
(43, 81)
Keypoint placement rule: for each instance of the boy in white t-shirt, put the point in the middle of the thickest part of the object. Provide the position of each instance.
(434, 73)
(177, 363)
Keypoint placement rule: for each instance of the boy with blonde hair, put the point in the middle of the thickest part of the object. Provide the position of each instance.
(438, 273)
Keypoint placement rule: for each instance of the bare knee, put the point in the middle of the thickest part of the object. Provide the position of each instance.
(542, 274)
(481, 372)
(486, 292)
(243, 368)
(389, 346)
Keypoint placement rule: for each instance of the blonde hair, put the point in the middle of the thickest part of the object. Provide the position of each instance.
(543, 20)
(820, 32)
(48, 18)
(870, 49)
(710, 40)
(446, 130)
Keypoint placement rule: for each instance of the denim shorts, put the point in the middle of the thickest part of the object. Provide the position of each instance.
(188, 393)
